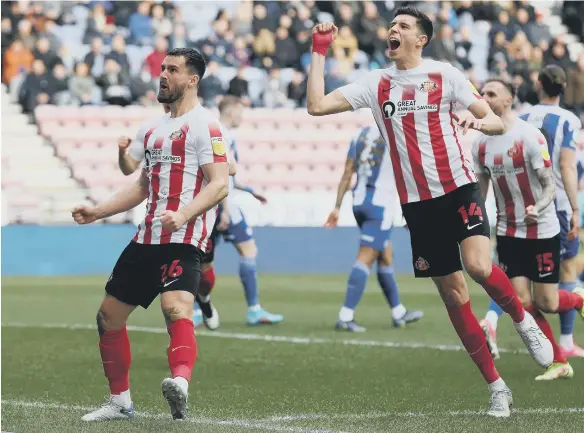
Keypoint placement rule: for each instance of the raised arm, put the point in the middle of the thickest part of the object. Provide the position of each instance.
(318, 103)
(128, 165)
(126, 199)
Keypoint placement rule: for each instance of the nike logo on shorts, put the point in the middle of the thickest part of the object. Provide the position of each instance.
(473, 226)
(170, 282)
(547, 274)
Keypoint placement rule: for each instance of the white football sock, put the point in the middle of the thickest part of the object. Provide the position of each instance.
(346, 314)
(498, 385)
(492, 318)
(123, 399)
(398, 312)
(567, 341)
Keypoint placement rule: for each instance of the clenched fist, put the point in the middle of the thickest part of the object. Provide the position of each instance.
(84, 214)
(172, 221)
(322, 36)
(124, 142)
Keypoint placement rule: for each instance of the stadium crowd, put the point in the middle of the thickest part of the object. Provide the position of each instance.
(97, 52)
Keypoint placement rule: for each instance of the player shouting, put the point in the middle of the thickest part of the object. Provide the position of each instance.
(185, 175)
(412, 103)
(528, 231)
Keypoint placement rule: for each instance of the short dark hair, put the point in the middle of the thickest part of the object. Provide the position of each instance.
(553, 80)
(424, 22)
(194, 59)
(506, 83)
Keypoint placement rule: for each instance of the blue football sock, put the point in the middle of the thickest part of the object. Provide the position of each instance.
(567, 319)
(386, 278)
(356, 284)
(249, 278)
(493, 306)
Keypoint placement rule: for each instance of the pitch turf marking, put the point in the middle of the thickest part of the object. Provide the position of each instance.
(266, 425)
(374, 415)
(269, 338)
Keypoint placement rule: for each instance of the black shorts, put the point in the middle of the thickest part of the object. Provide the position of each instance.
(209, 255)
(437, 227)
(536, 259)
(142, 272)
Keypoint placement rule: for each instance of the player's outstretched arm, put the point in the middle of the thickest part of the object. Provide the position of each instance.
(317, 102)
(488, 122)
(569, 171)
(126, 199)
(128, 165)
(333, 217)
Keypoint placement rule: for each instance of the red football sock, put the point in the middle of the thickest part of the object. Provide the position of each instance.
(569, 301)
(469, 331)
(182, 351)
(207, 282)
(500, 289)
(547, 331)
(116, 357)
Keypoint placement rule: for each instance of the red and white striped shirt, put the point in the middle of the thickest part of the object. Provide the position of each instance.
(511, 161)
(172, 151)
(413, 111)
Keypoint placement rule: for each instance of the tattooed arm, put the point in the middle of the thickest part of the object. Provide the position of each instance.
(546, 179)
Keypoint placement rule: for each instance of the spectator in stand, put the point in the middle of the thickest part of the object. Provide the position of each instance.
(261, 20)
(462, 46)
(537, 31)
(96, 22)
(36, 88)
(59, 84)
(238, 86)
(286, 53)
(344, 48)
(369, 23)
(443, 47)
(558, 56)
(380, 58)
(240, 52)
(346, 16)
(42, 51)
(95, 59)
(156, 57)
(82, 85)
(498, 51)
(274, 94)
(118, 53)
(297, 89)
(25, 33)
(140, 23)
(17, 61)
(302, 22)
(264, 47)
(179, 37)
(574, 96)
(7, 35)
(160, 23)
(115, 84)
(143, 88)
(211, 87)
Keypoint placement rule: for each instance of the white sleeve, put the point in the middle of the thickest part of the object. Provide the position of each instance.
(209, 143)
(537, 149)
(357, 93)
(136, 149)
(463, 91)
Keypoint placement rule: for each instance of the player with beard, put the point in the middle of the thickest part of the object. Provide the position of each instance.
(185, 176)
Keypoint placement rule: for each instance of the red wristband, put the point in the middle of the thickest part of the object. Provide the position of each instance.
(321, 42)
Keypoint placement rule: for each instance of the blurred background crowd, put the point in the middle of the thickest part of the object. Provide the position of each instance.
(96, 52)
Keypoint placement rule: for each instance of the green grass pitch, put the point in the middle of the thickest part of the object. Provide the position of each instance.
(301, 376)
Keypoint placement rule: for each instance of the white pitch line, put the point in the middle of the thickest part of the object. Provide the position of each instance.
(246, 424)
(463, 413)
(269, 338)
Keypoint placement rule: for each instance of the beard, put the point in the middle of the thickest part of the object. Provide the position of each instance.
(166, 96)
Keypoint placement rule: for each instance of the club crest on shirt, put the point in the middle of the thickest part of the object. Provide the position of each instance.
(177, 135)
(428, 86)
(516, 150)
